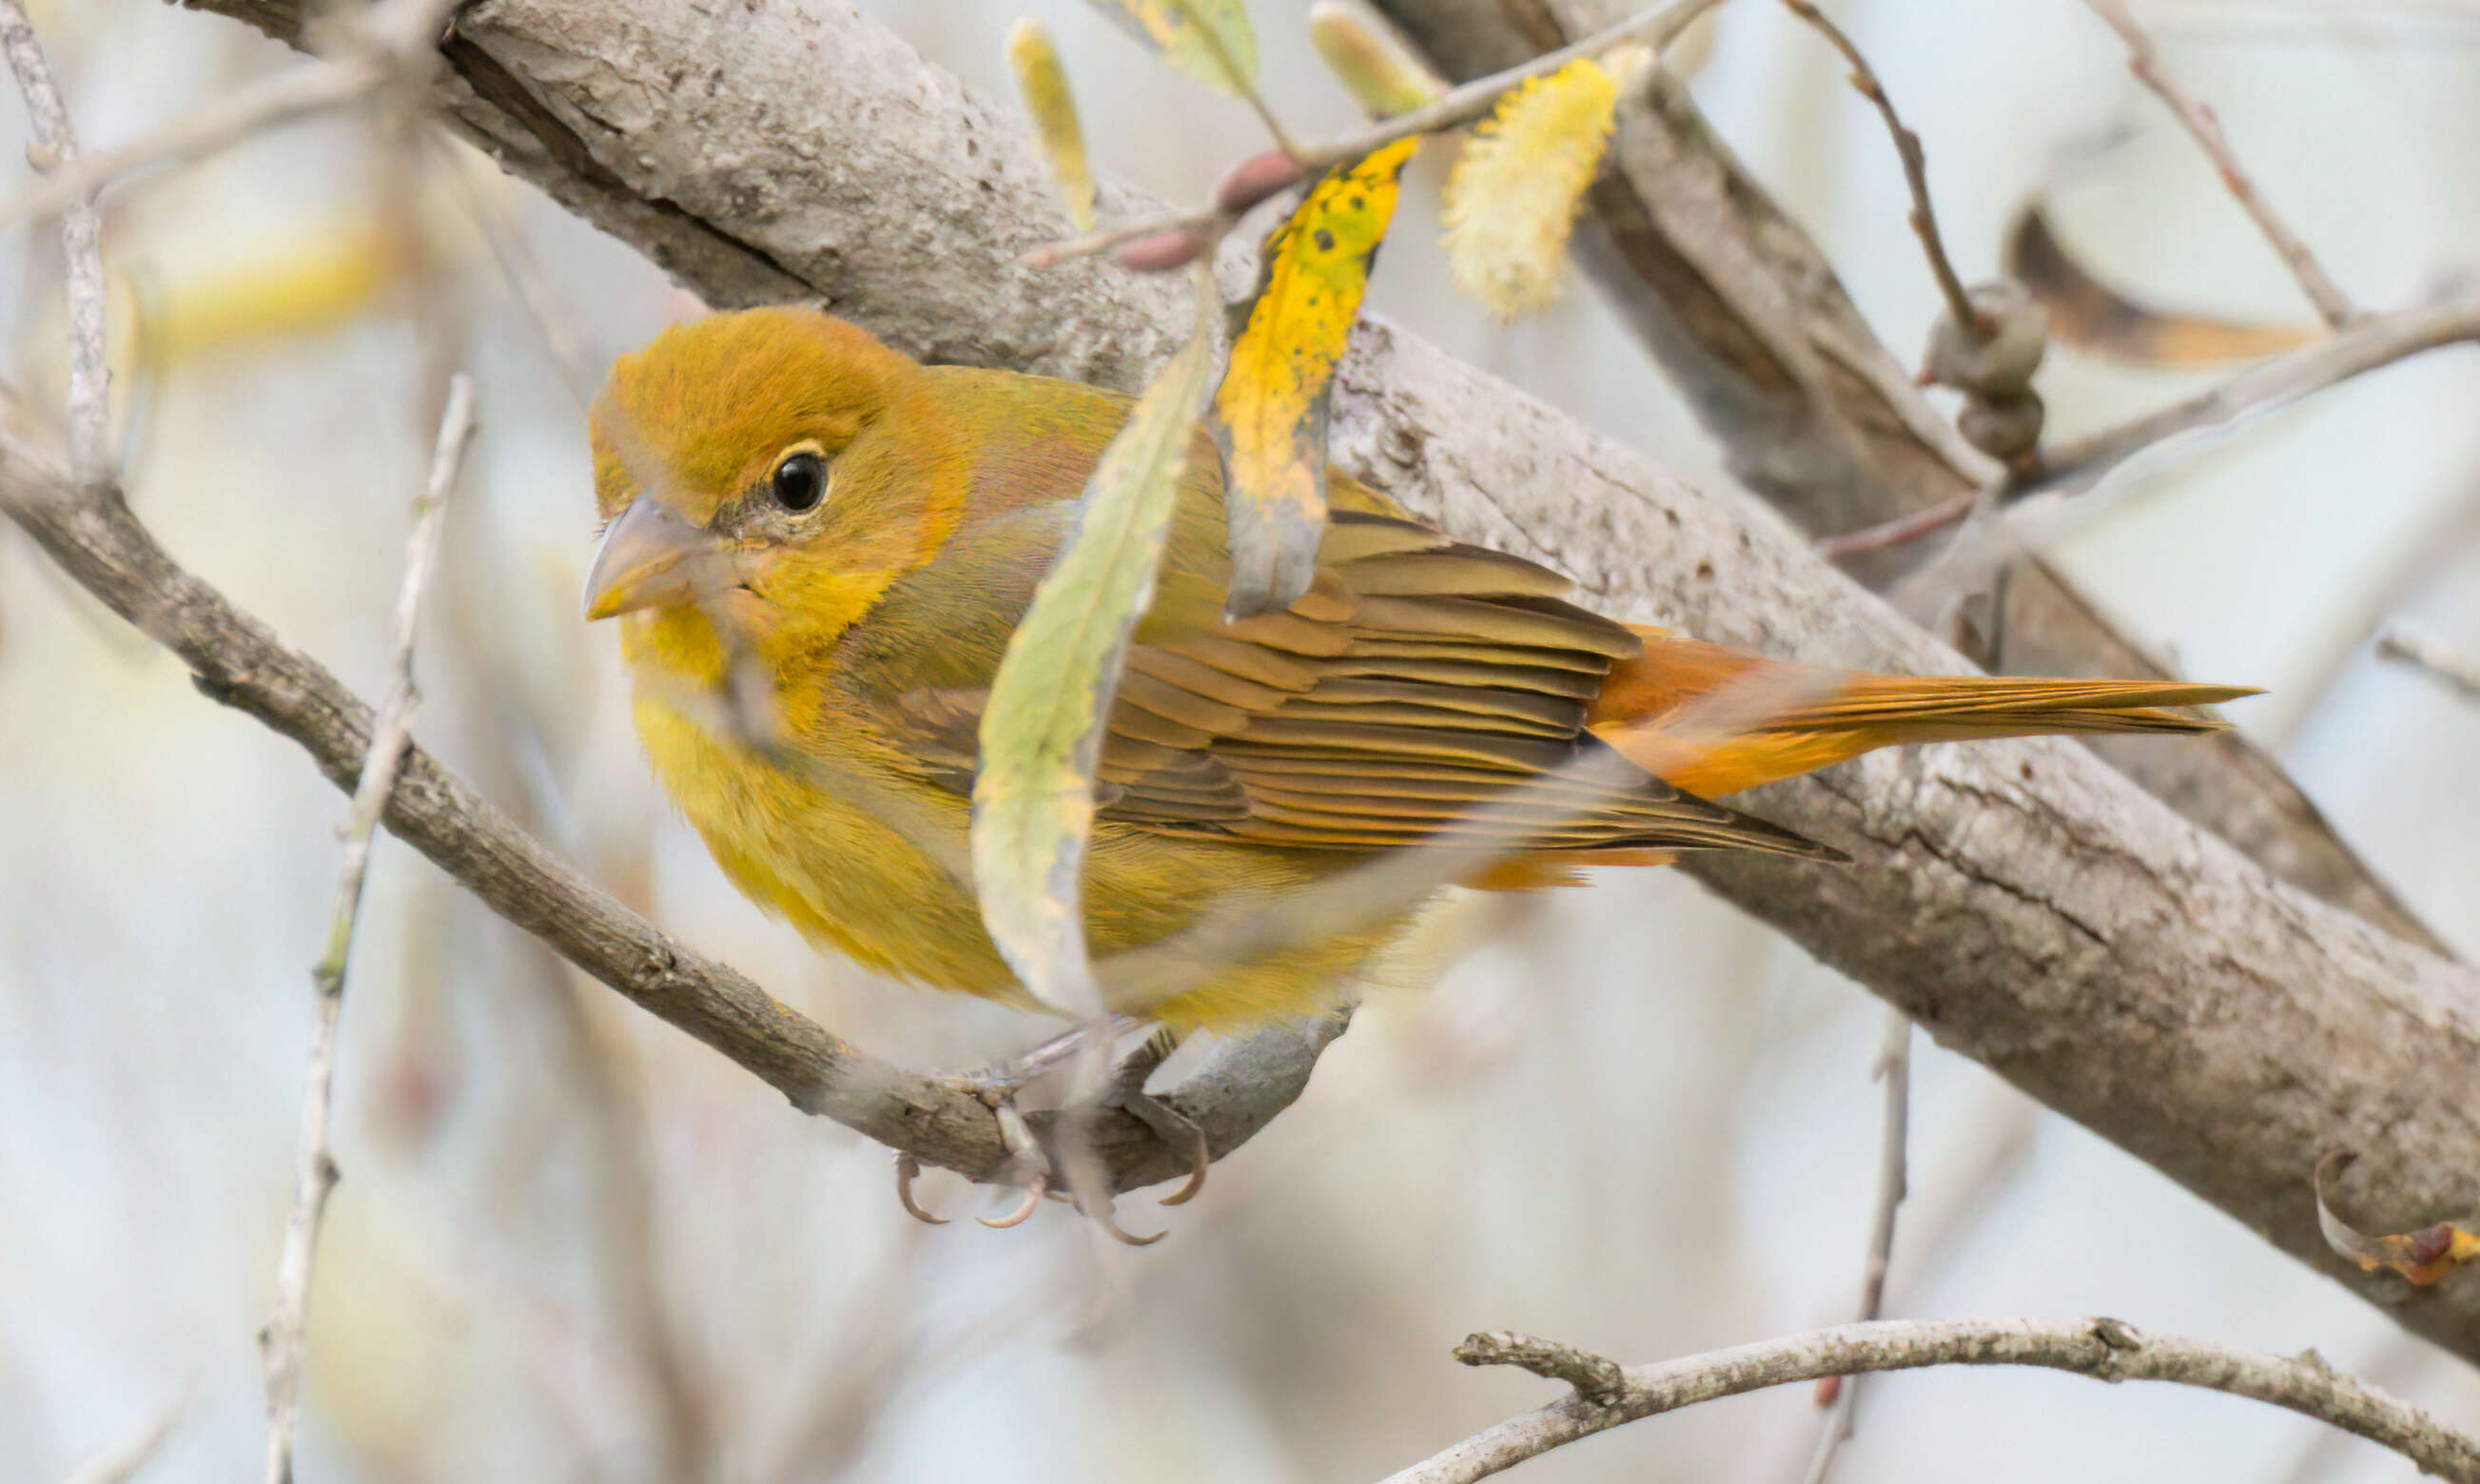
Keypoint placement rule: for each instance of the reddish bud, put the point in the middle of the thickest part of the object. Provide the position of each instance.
(1254, 179)
(1164, 252)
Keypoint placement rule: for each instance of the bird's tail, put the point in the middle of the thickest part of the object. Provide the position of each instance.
(1714, 721)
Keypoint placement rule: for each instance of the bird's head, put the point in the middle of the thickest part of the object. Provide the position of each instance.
(763, 477)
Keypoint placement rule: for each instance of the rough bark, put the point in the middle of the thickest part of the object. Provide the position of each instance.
(2031, 906)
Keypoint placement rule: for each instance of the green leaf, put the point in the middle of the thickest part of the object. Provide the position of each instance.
(1033, 797)
(1211, 41)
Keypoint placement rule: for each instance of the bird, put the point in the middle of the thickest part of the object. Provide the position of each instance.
(817, 548)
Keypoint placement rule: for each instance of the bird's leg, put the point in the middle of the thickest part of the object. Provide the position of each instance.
(1127, 1091)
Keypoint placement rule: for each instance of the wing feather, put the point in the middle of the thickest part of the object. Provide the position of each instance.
(1417, 683)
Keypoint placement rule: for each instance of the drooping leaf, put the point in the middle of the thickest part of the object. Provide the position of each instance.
(2090, 315)
(1371, 58)
(1512, 198)
(1269, 414)
(1211, 41)
(1042, 84)
(2423, 1256)
(1033, 795)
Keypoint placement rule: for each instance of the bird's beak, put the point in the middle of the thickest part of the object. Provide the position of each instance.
(648, 559)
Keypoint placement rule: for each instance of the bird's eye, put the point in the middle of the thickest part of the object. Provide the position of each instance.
(800, 481)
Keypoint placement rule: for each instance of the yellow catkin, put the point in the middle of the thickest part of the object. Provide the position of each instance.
(1368, 56)
(1512, 198)
(1043, 83)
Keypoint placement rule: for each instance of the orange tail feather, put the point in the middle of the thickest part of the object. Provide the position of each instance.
(1715, 720)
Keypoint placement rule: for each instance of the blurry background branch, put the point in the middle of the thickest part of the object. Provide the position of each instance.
(2103, 1349)
(2407, 644)
(2025, 904)
(90, 390)
(284, 1342)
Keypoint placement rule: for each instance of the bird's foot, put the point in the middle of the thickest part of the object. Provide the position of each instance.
(1028, 1166)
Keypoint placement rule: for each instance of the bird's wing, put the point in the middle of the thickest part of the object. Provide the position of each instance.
(1420, 680)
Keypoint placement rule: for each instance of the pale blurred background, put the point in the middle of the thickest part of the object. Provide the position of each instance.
(570, 1244)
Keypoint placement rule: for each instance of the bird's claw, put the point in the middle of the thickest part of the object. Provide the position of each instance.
(1026, 1162)
(1168, 1122)
(1103, 1217)
(908, 1169)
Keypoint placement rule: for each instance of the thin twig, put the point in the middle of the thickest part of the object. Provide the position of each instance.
(1655, 28)
(1929, 520)
(2197, 116)
(56, 153)
(1916, 168)
(284, 1339)
(2370, 342)
(2105, 1349)
(1599, 1380)
(387, 42)
(2408, 643)
(1963, 1186)
(308, 88)
(1206, 220)
(1894, 1069)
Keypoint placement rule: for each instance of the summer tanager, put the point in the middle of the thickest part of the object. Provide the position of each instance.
(795, 509)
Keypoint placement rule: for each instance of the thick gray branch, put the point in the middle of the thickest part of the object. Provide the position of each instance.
(2026, 905)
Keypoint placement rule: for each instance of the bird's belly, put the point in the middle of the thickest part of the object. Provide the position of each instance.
(872, 866)
(877, 866)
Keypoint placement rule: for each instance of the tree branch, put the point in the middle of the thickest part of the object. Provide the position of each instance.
(2103, 1349)
(2025, 904)
(1746, 315)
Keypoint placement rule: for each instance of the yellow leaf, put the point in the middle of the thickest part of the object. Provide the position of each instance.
(1513, 197)
(1210, 40)
(1372, 59)
(1269, 415)
(1042, 84)
(1033, 794)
